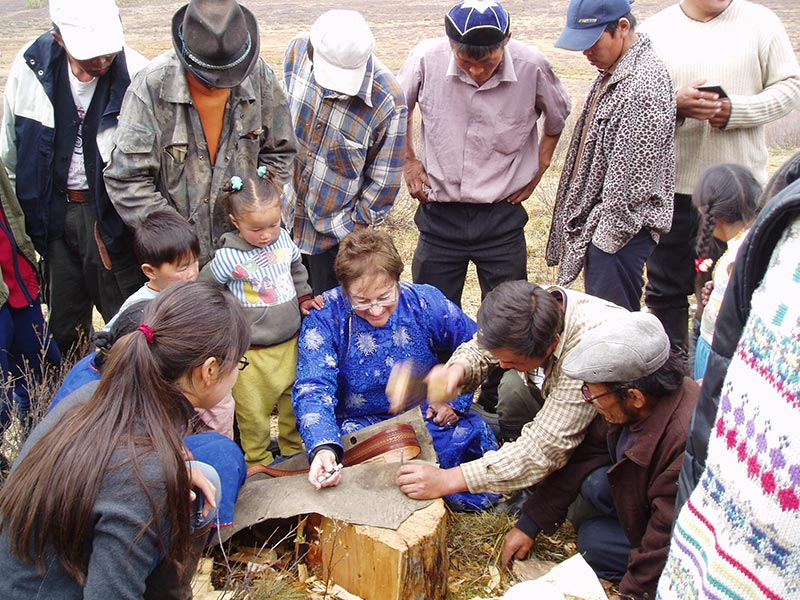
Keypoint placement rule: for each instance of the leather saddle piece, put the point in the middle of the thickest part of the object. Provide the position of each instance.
(393, 444)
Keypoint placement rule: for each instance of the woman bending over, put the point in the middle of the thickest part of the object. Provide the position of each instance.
(101, 499)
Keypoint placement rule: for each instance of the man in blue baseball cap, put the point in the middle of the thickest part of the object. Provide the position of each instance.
(587, 20)
(614, 199)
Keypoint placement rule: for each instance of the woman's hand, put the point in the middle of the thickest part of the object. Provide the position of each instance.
(198, 480)
(442, 414)
(324, 463)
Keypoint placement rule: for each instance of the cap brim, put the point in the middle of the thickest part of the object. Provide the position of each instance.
(229, 78)
(83, 44)
(579, 39)
(331, 77)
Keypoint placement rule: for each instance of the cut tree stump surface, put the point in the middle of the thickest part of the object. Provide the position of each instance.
(409, 563)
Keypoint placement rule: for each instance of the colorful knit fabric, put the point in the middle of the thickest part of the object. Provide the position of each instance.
(738, 536)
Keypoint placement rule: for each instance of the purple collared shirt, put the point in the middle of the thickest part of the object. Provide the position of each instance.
(480, 144)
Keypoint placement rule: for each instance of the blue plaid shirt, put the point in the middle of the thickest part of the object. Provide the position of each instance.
(349, 164)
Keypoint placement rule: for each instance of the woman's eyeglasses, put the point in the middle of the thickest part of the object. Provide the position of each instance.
(587, 395)
(381, 303)
(243, 363)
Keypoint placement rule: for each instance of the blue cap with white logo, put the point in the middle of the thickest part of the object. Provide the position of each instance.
(586, 21)
(477, 22)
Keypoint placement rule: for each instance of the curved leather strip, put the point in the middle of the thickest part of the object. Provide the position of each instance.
(401, 437)
(394, 438)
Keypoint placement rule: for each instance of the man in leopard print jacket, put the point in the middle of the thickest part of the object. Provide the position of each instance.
(616, 190)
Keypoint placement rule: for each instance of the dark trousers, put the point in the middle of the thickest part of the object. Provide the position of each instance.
(78, 280)
(601, 539)
(321, 274)
(451, 234)
(25, 349)
(619, 277)
(671, 272)
(517, 404)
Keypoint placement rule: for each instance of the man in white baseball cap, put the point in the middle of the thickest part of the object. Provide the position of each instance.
(62, 100)
(349, 114)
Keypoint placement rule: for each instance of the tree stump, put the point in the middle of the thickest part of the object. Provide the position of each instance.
(409, 563)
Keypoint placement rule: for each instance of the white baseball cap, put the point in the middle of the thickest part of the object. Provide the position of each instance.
(89, 28)
(342, 44)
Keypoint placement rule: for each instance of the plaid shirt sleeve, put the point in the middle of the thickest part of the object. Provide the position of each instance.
(544, 446)
(477, 363)
(383, 171)
(351, 167)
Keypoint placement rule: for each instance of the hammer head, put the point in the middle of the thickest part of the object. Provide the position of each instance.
(408, 388)
(405, 388)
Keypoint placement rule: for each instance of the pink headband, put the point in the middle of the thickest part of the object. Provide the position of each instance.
(147, 331)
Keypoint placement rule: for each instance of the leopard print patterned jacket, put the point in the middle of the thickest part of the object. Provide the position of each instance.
(624, 179)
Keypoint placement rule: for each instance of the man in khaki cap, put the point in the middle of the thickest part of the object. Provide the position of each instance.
(627, 467)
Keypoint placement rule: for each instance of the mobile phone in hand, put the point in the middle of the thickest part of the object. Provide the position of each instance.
(714, 89)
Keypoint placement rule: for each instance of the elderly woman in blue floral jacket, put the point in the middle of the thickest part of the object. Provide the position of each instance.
(348, 348)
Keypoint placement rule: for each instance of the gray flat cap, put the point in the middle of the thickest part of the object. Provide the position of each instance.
(620, 351)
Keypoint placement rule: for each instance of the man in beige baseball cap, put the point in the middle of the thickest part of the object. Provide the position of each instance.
(350, 114)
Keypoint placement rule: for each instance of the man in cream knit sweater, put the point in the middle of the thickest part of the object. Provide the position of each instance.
(743, 48)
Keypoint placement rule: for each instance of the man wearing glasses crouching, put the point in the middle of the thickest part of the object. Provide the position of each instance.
(627, 467)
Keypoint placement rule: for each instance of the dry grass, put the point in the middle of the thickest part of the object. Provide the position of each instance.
(41, 391)
(475, 540)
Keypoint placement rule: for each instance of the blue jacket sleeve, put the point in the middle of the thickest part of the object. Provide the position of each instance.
(314, 394)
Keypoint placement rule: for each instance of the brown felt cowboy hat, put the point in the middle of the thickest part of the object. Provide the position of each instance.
(217, 40)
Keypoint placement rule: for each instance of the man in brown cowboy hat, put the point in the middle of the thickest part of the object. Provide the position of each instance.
(199, 114)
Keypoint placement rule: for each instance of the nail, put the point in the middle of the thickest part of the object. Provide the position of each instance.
(330, 473)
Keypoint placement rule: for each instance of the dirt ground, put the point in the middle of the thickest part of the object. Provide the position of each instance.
(397, 26)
